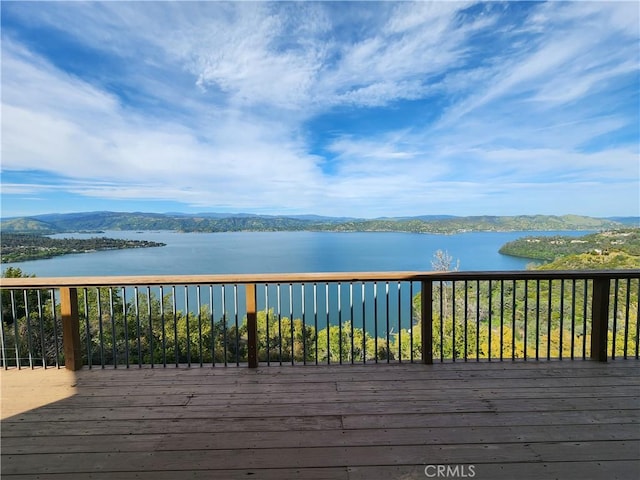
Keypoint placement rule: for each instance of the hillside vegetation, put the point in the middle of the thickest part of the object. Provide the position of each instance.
(93, 221)
(19, 247)
(597, 244)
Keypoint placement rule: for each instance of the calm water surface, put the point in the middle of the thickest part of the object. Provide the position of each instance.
(277, 252)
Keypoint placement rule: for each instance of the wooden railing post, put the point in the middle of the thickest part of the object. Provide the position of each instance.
(600, 319)
(70, 328)
(252, 326)
(426, 301)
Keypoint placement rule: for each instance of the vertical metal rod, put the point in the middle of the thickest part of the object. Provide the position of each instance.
(187, 313)
(549, 320)
(615, 318)
(399, 322)
(16, 335)
(453, 321)
(561, 335)
(340, 322)
(150, 321)
(235, 305)
(27, 318)
(212, 320)
(114, 337)
(514, 301)
(537, 320)
(386, 294)
(174, 307)
(100, 327)
(411, 317)
(164, 331)
(490, 321)
(441, 321)
(526, 317)
(224, 323)
(638, 320)
(364, 325)
(501, 317)
(279, 303)
(291, 323)
(585, 297)
(326, 299)
(352, 320)
(55, 327)
(626, 317)
(426, 315)
(87, 325)
(266, 307)
(136, 294)
(573, 316)
(375, 320)
(42, 338)
(304, 325)
(199, 303)
(315, 318)
(466, 319)
(126, 327)
(477, 320)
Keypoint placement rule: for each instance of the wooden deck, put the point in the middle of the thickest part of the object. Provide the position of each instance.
(493, 420)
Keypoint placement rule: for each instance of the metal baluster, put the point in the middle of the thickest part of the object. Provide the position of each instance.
(304, 328)
(186, 319)
(326, 300)
(3, 345)
(638, 321)
(266, 301)
(561, 336)
(573, 316)
(477, 320)
(212, 319)
(375, 319)
(27, 317)
(199, 302)
(399, 323)
(16, 334)
(466, 319)
(526, 316)
(513, 322)
(138, 329)
(176, 347)
(490, 321)
(352, 320)
(55, 327)
(291, 323)
(626, 317)
(87, 326)
(315, 317)
(100, 328)
(386, 294)
(501, 317)
(549, 320)
(585, 300)
(224, 323)
(364, 326)
(279, 305)
(615, 318)
(149, 317)
(113, 329)
(235, 306)
(340, 322)
(537, 320)
(164, 331)
(441, 321)
(126, 327)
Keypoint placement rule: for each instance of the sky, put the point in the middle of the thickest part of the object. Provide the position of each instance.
(331, 108)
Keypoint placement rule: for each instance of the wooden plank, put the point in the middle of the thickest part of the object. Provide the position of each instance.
(70, 329)
(600, 318)
(316, 457)
(321, 438)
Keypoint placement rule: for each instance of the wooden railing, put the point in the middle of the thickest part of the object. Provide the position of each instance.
(361, 317)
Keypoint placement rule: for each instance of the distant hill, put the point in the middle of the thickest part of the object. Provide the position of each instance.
(212, 222)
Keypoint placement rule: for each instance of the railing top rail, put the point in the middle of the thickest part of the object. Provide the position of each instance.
(320, 277)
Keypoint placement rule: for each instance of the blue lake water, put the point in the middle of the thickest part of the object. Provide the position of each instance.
(278, 252)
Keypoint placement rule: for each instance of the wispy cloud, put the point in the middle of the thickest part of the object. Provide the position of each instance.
(361, 109)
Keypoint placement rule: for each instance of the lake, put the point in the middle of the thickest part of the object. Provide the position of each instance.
(279, 252)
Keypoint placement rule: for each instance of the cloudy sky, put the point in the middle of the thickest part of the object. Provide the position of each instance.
(357, 109)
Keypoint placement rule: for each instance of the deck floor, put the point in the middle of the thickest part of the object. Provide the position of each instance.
(489, 421)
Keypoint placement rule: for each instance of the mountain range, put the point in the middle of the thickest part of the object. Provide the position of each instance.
(221, 222)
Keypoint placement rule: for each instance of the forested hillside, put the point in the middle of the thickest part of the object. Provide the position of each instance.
(97, 221)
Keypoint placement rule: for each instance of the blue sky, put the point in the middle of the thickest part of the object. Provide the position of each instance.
(346, 109)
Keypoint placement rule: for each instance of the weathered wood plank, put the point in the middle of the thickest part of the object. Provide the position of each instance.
(320, 438)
